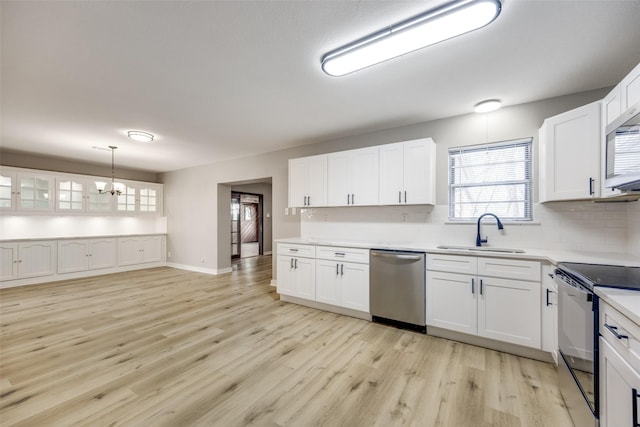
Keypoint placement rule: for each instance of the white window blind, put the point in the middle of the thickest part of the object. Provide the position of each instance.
(492, 178)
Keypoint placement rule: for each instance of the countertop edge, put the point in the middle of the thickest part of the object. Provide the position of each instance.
(106, 236)
(625, 301)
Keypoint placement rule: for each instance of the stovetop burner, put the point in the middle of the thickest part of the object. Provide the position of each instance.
(613, 276)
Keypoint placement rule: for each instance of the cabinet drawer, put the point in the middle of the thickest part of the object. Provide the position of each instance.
(294, 249)
(336, 253)
(509, 268)
(629, 348)
(452, 263)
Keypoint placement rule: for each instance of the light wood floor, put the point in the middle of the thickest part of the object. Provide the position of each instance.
(166, 347)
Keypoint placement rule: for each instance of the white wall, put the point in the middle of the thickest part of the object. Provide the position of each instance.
(580, 226)
(191, 194)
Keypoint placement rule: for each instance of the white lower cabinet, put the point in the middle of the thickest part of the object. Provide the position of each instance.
(86, 254)
(336, 276)
(296, 277)
(344, 284)
(619, 388)
(505, 308)
(619, 365)
(139, 250)
(23, 260)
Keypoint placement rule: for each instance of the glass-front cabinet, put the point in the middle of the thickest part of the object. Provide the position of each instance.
(26, 190)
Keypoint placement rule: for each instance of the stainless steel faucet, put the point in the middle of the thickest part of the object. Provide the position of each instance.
(480, 240)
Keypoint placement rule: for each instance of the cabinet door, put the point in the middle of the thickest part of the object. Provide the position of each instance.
(328, 282)
(611, 106)
(619, 385)
(354, 287)
(509, 311)
(73, 255)
(7, 191)
(96, 201)
(151, 249)
(549, 305)
(285, 275)
(8, 261)
(36, 259)
(452, 301)
(630, 89)
(103, 253)
(317, 181)
(70, 194)
(129, 251)
(35, 192)
(126, 201)
(363, 176)
(297, 182)
(570, 155)
(304, 283)
(149, 199)
(338, 190)
(391, 176)
(419, 172)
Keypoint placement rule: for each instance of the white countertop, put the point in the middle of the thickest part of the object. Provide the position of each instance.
(101, 236)
(550, 255)
(625, 301)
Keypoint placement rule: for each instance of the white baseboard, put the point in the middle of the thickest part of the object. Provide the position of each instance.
(213, 271)
(273, 283)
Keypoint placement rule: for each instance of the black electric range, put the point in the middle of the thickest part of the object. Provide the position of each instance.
(611, 276)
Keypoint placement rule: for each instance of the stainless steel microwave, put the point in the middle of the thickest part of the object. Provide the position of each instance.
(623, 151)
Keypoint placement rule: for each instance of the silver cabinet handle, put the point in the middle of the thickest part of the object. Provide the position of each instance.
(399, 196)
(308, 200)
(591, 186)
(473, 286)
(353, 199)
(614, 331)
(348, 199)
(293, 250)
(291, 264)
(337, 267)
(405, 196)
(339, 253)
(480, 286)
(548, 293)
(342, 269)
(295, 263)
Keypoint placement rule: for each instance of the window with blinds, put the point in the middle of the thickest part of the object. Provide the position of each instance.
(494, 178)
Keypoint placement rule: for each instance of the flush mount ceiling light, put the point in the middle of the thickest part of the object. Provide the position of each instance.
(116, 187)
(140, 136)
(442, 23)
(487, 106)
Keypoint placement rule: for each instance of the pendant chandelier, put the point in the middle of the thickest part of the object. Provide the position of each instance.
(116, 187)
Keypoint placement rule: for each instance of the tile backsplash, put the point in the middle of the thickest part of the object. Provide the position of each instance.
(586, 226)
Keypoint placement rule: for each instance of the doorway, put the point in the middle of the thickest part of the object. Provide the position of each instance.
(246, 225)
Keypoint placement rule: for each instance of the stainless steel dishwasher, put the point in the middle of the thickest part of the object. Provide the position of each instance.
(397, 288)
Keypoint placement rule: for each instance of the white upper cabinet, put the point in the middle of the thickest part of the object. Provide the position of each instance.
(352, 177)
(407, 172)
(308, 181)
(570, 155)
(611, 106)
(630, 89)
(26, 191)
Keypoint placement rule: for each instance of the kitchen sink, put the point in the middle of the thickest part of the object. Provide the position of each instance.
(482, 249)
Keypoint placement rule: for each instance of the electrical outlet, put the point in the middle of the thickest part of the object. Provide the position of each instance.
(202, 260)
(169, 254)
(286, 211)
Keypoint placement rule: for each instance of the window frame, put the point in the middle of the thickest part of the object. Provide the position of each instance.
(528, 181)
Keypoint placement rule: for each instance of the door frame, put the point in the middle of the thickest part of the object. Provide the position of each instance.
(260, 222)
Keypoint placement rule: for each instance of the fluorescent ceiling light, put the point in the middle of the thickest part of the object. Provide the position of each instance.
(431, 27)
(487, 106)
(140, 136)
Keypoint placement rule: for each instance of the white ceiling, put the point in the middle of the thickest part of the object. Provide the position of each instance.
(215, 80)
